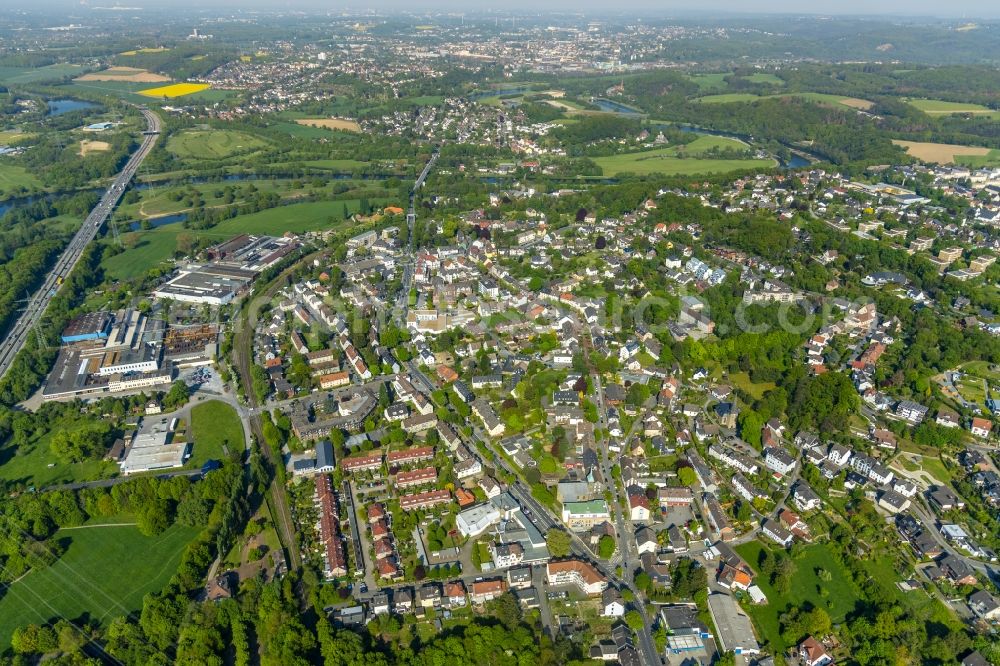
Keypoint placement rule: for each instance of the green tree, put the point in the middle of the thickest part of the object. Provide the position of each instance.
(634, 620)
(687, 475)
(559, 542)
(606, 547)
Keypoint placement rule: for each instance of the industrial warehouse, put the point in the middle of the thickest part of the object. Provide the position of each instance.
(231, 269)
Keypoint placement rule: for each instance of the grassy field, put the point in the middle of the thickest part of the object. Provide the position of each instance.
(216, 432)
(805, 589)
(158, 201)
(14, 136)
(213, 144)
(158, 245)
(990, 159)
(105, 572)
(340, 166)
(937, 107)
(175, 90)
(669, 161)
(15, 179)
(820, 98)
(712, 81)
(14, 75)
(726, 98)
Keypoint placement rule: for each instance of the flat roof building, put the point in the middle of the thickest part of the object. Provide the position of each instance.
(152, 451)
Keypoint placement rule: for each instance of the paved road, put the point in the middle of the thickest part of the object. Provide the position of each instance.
(37, 304)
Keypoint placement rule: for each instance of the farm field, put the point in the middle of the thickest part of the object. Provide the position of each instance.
(940, 107)
(213, 144)
(942, 153)
(345, 124)
(130, 74)
(158, 245)
(175, 90)
(158, 49)
(805, 589)
(670, 162)
(99, 576)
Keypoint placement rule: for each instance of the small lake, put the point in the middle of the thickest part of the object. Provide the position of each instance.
(615, 107)
(57, 107)
(161, 221)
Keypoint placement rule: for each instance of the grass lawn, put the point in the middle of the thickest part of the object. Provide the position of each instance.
(805, 589)
(158, 245)
(213, 144)
(937, 107)
(215, 428)
(15, 179)
(687, 159)
(105, 572)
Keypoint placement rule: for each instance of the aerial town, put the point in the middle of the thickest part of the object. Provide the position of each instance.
(516, 339)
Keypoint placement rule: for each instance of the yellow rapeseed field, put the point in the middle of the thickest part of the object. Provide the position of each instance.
(175, 90)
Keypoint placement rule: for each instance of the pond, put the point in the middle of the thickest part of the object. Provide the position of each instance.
(57, 107)
(163, 220)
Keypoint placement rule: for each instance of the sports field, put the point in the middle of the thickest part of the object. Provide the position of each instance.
(105, 572)
(937, 107)
(175, 90)
(216, 432)
(669, 161)
(213, 144)
(942, 153)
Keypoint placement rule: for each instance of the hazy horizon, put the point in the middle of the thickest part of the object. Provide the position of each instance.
(970, 9)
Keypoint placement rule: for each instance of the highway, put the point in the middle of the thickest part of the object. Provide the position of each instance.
(37, 304)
